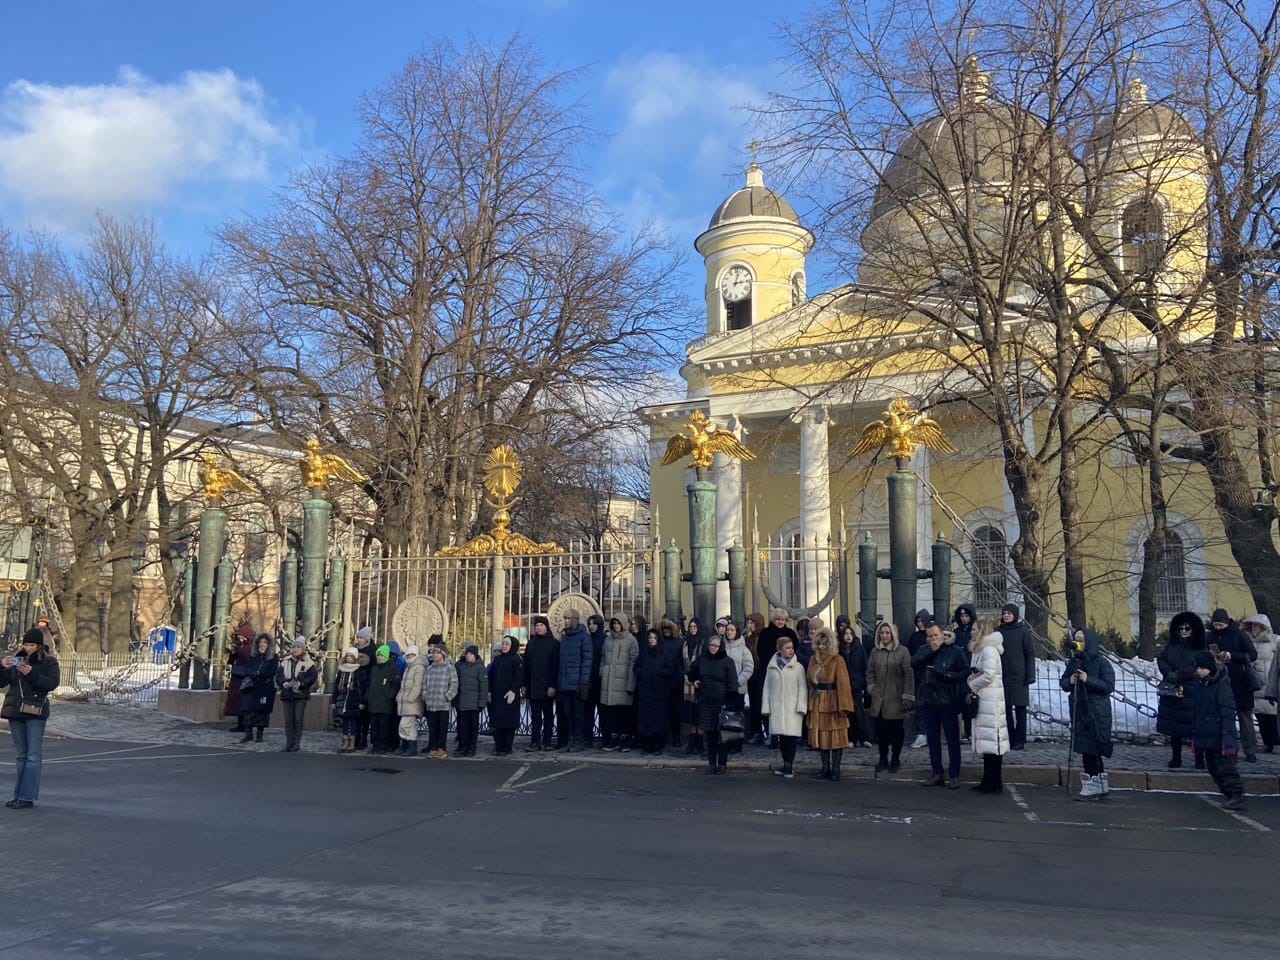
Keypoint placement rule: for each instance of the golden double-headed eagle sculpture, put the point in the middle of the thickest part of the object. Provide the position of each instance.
(318, 467)
(702, 443)
(904, 429)
(216, 480)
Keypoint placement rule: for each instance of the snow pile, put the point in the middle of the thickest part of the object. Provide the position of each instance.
(1133, 705)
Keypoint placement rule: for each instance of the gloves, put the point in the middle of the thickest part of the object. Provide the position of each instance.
(908, 704)
(510, 697)
(1228, 746)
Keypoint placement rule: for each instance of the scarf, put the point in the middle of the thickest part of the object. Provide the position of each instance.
(782, 661)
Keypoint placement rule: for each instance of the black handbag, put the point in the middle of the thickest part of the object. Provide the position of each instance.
(733, 726)
(971, 706)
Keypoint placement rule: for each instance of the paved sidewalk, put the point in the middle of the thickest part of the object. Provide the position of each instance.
(1134, 766)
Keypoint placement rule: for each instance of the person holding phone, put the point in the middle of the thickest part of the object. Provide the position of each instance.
(30, 675)
(1235, 651)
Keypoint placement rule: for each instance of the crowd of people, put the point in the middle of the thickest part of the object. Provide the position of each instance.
(664, 687)
(660, 687)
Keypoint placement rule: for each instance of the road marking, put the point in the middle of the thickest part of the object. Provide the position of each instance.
(548, 777)
(1261, 828)
(1022, 804)
(165, 756)
(104, 753)
(515, 776)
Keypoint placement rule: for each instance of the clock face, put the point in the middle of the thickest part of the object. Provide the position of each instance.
(735, 285)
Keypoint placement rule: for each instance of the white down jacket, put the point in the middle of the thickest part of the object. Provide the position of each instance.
(990, 732)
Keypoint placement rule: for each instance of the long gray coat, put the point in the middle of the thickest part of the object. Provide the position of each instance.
(617, 676)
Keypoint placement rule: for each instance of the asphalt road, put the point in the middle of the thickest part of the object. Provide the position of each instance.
(171, 851)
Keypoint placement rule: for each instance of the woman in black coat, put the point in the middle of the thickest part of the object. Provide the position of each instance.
(855, 662)
(713, 676)
(653, 670)
(1177, 664)
(30, 673)
(258, 694)
(504, 696)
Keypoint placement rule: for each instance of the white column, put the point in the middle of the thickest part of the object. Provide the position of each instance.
(815, 504)
(728, 475)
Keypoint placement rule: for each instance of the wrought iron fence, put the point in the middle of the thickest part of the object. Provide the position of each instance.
(477, 599)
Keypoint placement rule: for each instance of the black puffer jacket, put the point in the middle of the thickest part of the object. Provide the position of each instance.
(1017, 663)
(1213, 710)
(348, 693)
(1090, 714)
(43, 679)
(717, 677)
(1177, 663)
(941, 673)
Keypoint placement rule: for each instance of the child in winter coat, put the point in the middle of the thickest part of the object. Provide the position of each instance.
(384, 684)
(347, 701)
(439, 687)
(1213, 730)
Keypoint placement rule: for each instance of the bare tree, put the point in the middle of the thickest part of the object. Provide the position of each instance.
(116, 366)
(450, 285)
(977, 143)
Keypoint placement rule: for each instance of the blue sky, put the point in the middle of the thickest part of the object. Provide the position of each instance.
(193, 112)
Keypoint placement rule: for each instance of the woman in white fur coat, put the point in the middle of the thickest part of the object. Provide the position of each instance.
(990, 731)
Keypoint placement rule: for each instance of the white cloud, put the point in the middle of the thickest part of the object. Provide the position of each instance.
(676, 107)
(133, 145)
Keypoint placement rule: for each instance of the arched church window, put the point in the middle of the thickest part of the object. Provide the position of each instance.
(735, 290)
(988, 556)
(1171, 581)
(1142, 231)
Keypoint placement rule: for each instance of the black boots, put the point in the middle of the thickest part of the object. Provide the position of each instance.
(835, 765)
(991, 781)
(825, 772)
(248, 735)
(239, 727)
(257, 735)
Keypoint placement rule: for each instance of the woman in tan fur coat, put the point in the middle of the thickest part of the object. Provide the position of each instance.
(830, 703)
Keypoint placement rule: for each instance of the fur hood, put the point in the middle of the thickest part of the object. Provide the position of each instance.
(1259, 618)
(667, 624)
(825, 645)
(893, 632)
(1196, 641)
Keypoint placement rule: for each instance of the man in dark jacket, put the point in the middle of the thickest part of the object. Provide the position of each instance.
(1089, 680)
(1236, 651)
(1213, 729)
(1018, 663)
(942, 668)
(915, 643)
(574, 684)
(541, 674)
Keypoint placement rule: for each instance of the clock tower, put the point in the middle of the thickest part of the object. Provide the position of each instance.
(754, 250)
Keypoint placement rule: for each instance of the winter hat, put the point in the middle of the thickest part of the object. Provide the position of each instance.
(1220, 616)
(1010, 608)
(34, 635)
(351, 652)
(472, 649)
(412, 651)
(542, 620)
(722, 622)
(383, 651)
(364, 633)
(299, 641)
(1205, 659)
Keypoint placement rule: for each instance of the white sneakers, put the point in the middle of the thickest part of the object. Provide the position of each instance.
(920, 741)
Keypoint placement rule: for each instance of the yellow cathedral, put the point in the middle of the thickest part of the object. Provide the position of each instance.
(795, 375)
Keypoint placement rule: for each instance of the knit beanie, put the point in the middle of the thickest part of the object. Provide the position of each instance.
(1220, 616)
(383, 651)
(1205, 659)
